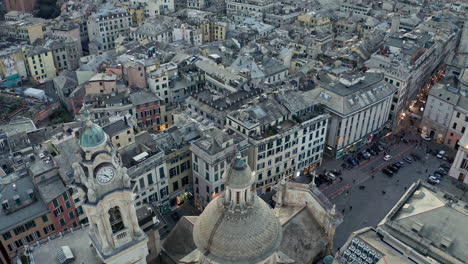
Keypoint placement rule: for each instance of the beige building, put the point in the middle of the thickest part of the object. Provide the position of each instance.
(28, 30)
(214, 31)
(459, 169)
(314, 20)
(120, 133)
(40, 63)
(103, 83)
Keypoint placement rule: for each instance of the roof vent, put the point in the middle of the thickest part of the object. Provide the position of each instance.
(417, 227)
(65, 255)
(418, 194)
(407, 208)
(445, 242)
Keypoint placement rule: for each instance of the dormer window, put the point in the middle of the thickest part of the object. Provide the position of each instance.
(5, 205)
(17, 199)
(31, 194)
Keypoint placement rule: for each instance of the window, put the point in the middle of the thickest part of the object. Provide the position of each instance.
(30, 225)
(142, 183)
(458, 114)
(115, 219)
(58, 211)
(208, 189)
(55, 202)
(44, 218)
(6, 235)
(185, 180)
(150, 178)
(454, 126)
(71, 215)
(68, 204)
(161, 173)
(175, 185)
(62, 222)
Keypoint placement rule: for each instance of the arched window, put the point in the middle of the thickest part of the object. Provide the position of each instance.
(115, 219)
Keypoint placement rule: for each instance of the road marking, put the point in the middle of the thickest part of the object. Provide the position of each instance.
(339, 192)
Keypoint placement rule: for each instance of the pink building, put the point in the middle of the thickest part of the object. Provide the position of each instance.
(134, 73)
(20, 5)
(149, 112)
(69, 29)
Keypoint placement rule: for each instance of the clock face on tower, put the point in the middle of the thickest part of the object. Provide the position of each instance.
(105, 174)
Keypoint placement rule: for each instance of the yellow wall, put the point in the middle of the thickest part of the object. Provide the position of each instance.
(44, 73)
(35, 32)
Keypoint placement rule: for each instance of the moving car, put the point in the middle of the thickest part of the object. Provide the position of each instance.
(331, 176)
(408, 159)
(433, 180)
(441, 154)
(387, 157)
(426, 137)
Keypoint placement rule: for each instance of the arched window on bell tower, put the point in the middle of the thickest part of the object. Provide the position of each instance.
(115, 219)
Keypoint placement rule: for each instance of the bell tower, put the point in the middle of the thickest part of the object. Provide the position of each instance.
(109, 205)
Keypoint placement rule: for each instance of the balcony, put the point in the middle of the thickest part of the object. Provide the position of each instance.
(121, 237)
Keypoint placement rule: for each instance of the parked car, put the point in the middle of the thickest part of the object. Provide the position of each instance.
(426, 137)
(41, 155)
(387, 157)
(392, 169)
(371, 152)
(352, 161)
(415, 156)
(366, 154)
(387, 172)
(445, 166)
(441, 154)
(408, 159)
(402, 164)
(438, 175)
(433, 180)
(398, 164)
(442, 171)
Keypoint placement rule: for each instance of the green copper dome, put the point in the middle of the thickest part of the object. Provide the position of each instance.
(92, 136)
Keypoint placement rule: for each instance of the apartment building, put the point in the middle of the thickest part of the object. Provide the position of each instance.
(214, 31)
(28, 29)
(408, 60)
(211, 155)
(156, 29)
(146, 167)
(105, 26)
(286, 133)
(39, 63)
(150, 111)
(158, 81)
(120, 133)
(359, 105)
(197, 4)
(175, 143)
(239, 10)
(104, 84)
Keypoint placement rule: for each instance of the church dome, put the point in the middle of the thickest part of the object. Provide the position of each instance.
(232, 237)
(92, 136)
(237, 226)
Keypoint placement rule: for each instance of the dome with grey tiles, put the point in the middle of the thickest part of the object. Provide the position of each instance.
(238, 226)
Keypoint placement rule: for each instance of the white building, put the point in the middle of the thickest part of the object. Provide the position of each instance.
(459, 169)
(158, 81)
(107, 25)
(239, 10)
(286, 133)
(359, 106)
(211, 155)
